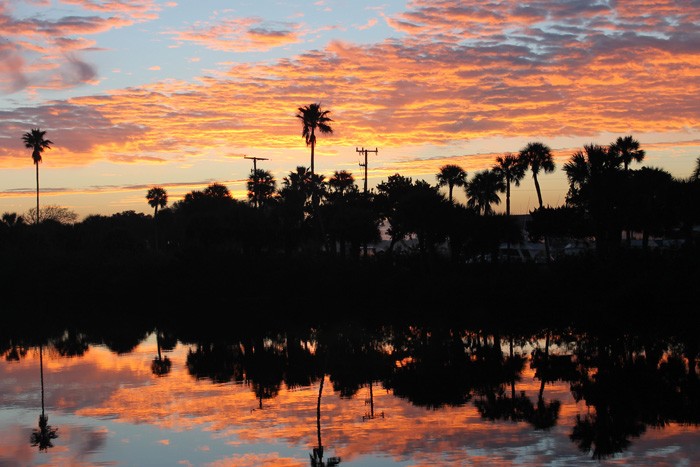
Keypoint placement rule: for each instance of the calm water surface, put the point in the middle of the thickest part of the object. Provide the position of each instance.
(381, 397)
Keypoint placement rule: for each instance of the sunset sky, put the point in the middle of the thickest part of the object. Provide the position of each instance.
(141, 93)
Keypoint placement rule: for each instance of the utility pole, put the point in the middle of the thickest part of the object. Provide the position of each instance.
(364, 152)
(255, 176)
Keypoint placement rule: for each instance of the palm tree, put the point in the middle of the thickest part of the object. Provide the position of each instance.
(451, 175)
(537, 156)
(34, 140)
(312, 118)
(261, 186)
(696, 172)
(627, 149)
(157, 198)
(341, 183)
(482, 191)
(511, 170)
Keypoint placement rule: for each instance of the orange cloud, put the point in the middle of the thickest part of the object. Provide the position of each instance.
(464, 73)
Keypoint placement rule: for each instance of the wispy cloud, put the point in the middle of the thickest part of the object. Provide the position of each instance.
(240, 34)
(46, 52)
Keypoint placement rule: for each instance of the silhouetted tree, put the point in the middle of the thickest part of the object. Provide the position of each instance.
(650, 206)
(627, 150)
(511, 170)
(695, 176)
(451, 175)
(537, 156)
(157, 198)
(312, 118)
(596, 186)
(482, 191)
(261, 187)
(53, 213)
(35, 141)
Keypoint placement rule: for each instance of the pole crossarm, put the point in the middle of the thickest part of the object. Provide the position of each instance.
(364, 152)
(255, 175)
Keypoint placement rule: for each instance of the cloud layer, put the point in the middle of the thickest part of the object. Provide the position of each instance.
(449, 72)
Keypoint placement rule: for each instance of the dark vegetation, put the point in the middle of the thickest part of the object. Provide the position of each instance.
(312, 247)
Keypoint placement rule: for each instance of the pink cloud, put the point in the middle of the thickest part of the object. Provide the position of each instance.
(240, 34)
(45, 53)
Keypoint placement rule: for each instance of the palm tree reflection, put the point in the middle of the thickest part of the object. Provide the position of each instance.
(316, 455)
(161, 364)
(545, 414)
(43, 436)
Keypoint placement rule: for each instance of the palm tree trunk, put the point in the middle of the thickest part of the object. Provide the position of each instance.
(508, 199)
(539, 198)
(313, 144)
(155, 224)
(318, 416)
(37, 192)
(537, 188)
(41, 372)
(451, 186)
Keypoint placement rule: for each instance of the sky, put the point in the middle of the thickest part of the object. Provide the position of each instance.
(138, 93)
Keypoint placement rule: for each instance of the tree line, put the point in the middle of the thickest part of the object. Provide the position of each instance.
(311, 213)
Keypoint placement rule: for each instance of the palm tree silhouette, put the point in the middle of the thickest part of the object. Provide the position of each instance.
(511, 170)
(34, 140)
(312, 118)
(627, 149)
(695, 176)
(482, 191)
(451, 175)
(537, 156)
(43, 436)
(157, 198)
(261, 186)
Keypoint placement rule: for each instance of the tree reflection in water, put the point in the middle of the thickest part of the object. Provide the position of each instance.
(45, 434)
(627, 383)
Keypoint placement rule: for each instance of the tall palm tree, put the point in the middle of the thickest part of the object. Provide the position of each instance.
(482, 191)
(451, 175)
(313, 118)
(627, 149)
(35, 140)
(511, 170)
(157, 198)
(537, 156)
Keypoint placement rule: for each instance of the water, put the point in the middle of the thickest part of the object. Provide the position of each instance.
(389, 396)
